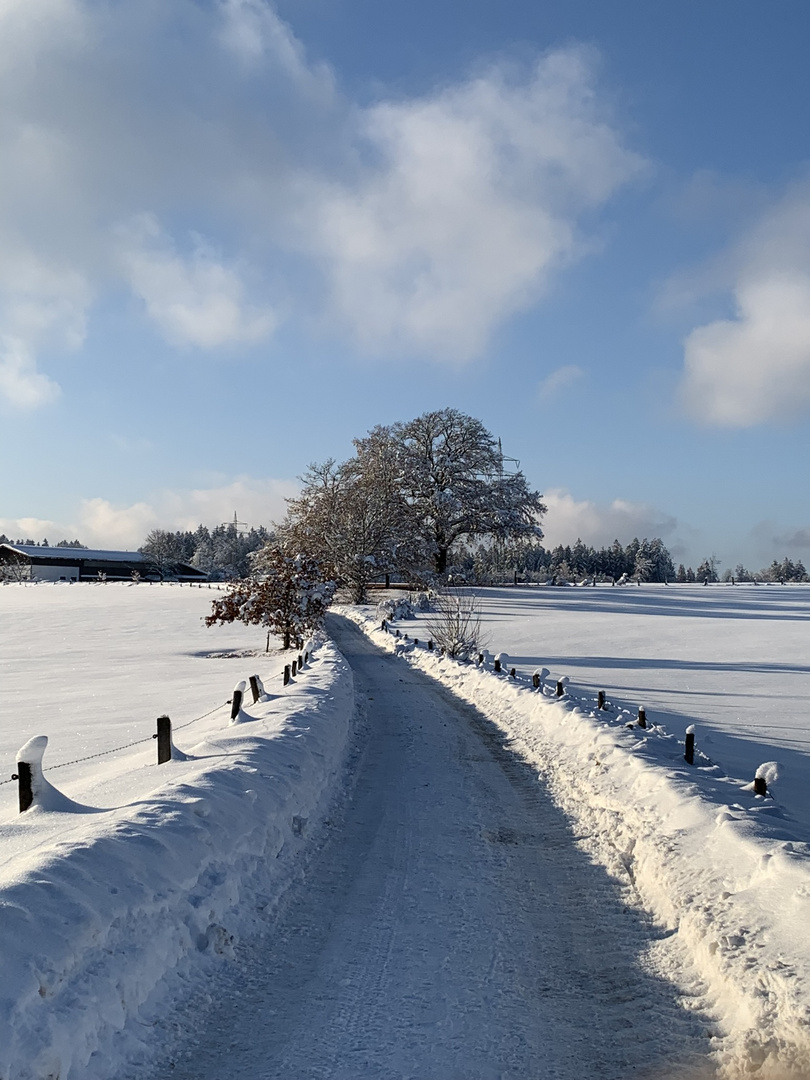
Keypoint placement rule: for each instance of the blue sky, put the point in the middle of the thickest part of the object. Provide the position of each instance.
(236, 235)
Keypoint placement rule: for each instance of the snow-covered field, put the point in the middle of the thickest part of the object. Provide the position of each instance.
(723, 868)
(110, 904)
(124, 898)
(733, 661)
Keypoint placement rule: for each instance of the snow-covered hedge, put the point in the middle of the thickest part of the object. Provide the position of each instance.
(713, 863)
(99, 927)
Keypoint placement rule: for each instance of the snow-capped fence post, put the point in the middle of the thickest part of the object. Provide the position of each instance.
(416, 642)
(496, 664)
(286, 674)
(512, 673)
(254, 688)
(23, 776)
(642, 716)
(536, 680)
(300, 661)
(294, 668)
(600, 700)
(760, 786)
(480, 659)
(164, 739)
(560, 688)
(236, 700)
(689, 746)
(29, 770)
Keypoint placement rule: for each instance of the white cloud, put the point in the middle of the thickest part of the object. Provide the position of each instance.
(558, 380)
(755, 367)
(256, 501)
(196, 300)
(472, 203)
(255, 34)
(600, 524)
(21, 384)
(426, 221)
(29, 528)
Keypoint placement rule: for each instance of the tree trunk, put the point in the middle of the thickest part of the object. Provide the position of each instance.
(441, 560)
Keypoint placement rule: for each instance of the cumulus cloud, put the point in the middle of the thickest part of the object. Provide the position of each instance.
(755, 366)
(600, 524)
(472, 201)
(197, 300)
(416, 224)
(21, 384)
(100, 522)
(256, 501)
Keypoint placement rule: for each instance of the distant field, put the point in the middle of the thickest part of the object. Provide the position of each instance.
(92, 666)
(733, 660)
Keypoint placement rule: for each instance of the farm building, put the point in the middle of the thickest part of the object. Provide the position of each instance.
(36, 563)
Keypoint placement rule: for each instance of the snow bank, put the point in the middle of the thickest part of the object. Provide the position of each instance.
(710, 860)
(105, 915)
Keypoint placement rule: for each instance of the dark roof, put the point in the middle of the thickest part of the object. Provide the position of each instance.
(92, 559)
(73, 554)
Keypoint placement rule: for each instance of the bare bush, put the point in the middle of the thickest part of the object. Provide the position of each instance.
(455, 624)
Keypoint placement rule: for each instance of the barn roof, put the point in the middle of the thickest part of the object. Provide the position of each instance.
(74, 554)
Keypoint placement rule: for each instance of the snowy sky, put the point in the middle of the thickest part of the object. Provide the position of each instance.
(234, 236)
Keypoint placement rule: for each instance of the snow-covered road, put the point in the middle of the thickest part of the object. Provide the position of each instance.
(447, 927)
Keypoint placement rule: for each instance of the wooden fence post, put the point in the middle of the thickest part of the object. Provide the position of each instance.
(430, 645)
(286, 674)
(642, 716)
(164, 739)
(254, 688)
(536, 680)
(496, 665)
(512, 673)
(689, 748)
(480, 659)
(26, 793)
(294, 668)
(600, 700)
(306, 657)
(236, 700)
(300, 661)
(560, 688)
(29, 768)
(416, 641)
(760, 786)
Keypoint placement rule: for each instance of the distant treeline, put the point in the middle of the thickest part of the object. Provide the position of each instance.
(647, 560)
(43, 543)
(222, 552)
(641, 560)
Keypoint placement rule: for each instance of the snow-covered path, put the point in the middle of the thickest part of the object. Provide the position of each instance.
(447, 928)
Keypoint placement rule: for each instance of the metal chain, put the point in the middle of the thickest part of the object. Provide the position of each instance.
(138, 742)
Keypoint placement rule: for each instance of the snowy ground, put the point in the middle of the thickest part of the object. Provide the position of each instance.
(448, 917)
(733, 661)
(450, 927)
(725, 871)
(113, 904)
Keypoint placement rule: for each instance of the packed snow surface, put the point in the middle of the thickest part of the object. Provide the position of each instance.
(450, 927)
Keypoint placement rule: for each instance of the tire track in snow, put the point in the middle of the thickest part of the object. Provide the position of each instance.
(449, 927)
